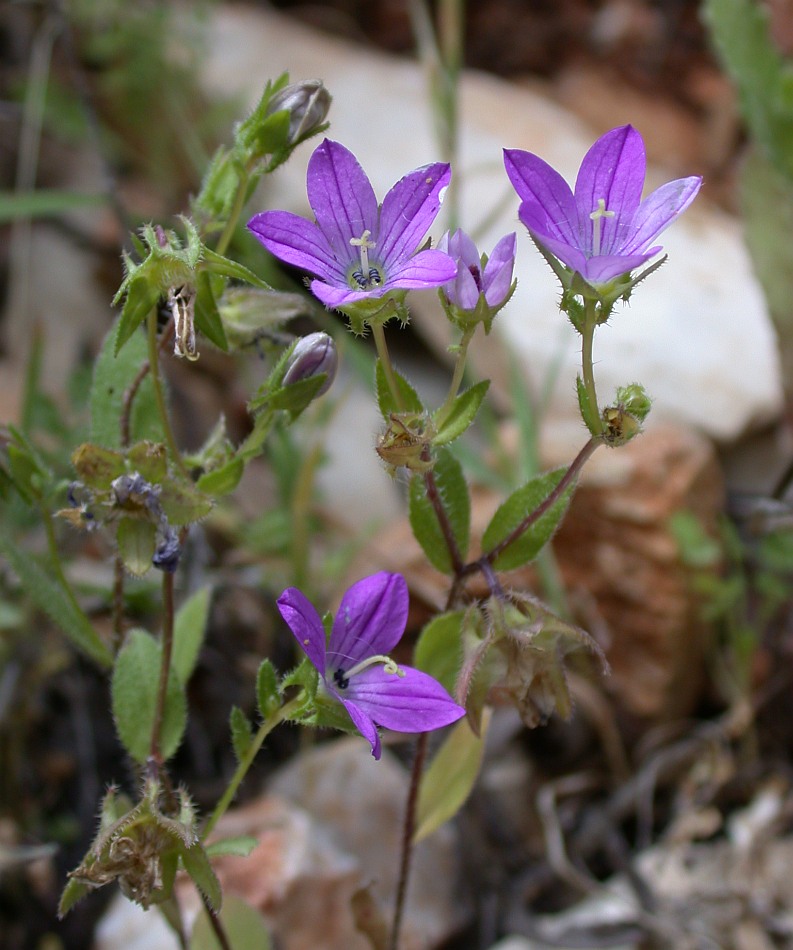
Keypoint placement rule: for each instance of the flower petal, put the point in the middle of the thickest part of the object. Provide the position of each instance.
(602, 269)
(497, 278)
(460, 246)
(554, 210)
(413, 702)
(371, 620)
(296, 241)
(568, 254)
(341, 197)
(335, 297)
(305, 623)
(612, 170)
(463, 292)
(659, 210)
(408, 210)
(364, 725)
(429, 268)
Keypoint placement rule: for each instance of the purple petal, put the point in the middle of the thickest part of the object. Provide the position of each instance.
(335, 296)
(659, 210)
(612, 170)
(553, 210)
(414, 702)
(371, 620)
(497, 278)
(341, 198)
(364, 725)
(429, 268)
(462, 248)
(305, 623)
(408, 210)
(464, 291)
(296, 241)
(503, 252)
(602, 269)
(568, 254)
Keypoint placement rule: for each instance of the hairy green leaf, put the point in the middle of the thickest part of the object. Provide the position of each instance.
(189, 629)
(453, 496)
(410, 401)
(241, 732)
(197, 865)
(267, 696)
(439, 648)
(207, 316)
(462, 414)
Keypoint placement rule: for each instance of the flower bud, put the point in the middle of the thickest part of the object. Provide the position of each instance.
(312, 355)
(482, 285)
(307, 103)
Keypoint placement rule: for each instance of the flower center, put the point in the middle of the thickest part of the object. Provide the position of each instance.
(596, 217)
(342, 678)
(476, 273)
(366, 276)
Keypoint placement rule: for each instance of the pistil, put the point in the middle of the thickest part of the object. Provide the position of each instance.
(596, 217)
(342, 677)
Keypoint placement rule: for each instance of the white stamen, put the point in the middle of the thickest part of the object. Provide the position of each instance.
(596, 216)
(363, 244)
(389, 666)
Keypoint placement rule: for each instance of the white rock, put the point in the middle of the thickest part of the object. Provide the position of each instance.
(697, 334)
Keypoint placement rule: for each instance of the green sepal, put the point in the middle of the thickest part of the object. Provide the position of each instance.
(74, 892)
(189, 629)
(196, 863)
(462, 413)
(140, 300)
(293, 398)
(222, 480)
(96, 466)
(215, 263)
(453, 491)
(207, 316)
(268, 697)
(183, 504)
(136, 543)
(134, 689)
(588, 412)
(439, 649)
(410, 400)
(149, 459)
(241, 732)
(515, 509)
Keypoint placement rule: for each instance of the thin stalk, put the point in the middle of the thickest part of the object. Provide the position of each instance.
(118, 603)
(587, 342)
(155, 754)
(247, 760)
(236, 210)
(159, 395)
(457, 376)
(434, 498)
(216, 924)
(378, 332)
(408, 830)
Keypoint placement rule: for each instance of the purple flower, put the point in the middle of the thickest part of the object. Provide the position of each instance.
(493, 279)
(354, 665)
(357, 250)
(604, 230)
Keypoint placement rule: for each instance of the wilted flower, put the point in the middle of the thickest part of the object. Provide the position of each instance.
(354, 666)
(358, 251)
(313, 354)
(483, 284)
(604, 230)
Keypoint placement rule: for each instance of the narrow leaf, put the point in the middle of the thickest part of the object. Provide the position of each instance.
(267, 696)
(207, 316)
(222, 480)
(463, 412)
(240, 846)
(141, 298)
(243, 925)
(134, 689)
(197, 865)
(410, 401)
(241, 732)
(453, 496)
(225, 267)
(188, 632)
(448, 781)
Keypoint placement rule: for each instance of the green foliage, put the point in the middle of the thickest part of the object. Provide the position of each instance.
(512, 512)
(43, 203)
(453, 496)
(439, 648)
(207, 315)
(241, 732)
(240, 846)
(451, 775)
(268, 698)
(136, 543)
(243, 925)
(461, 414)
(189, 629)
(135, 686)
(183, 504)
(588, 411)
(197, 865)
(410, 401)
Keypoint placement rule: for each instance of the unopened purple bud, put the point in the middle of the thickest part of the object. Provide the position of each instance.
(312, 355)
(307, 103)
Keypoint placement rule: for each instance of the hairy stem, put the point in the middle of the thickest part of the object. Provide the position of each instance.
(587, 342)
(155, 753)
(457, 377)
(216, 924)
(236, 210)
(408, 830)
(247, 760)
(378, 332)
(434, 498)
(159, 395)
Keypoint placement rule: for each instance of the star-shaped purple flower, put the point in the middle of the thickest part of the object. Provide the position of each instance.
(604, 230)
(357, 250)
(355, 667)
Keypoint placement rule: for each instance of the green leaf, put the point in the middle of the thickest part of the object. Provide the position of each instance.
(149, 459)
(197, 865)
(223, 479)
(113, 376)
(241, 732)
(141, 298)
(183, 504)
(439, 648)
(293, 398)
(134, 689)
(73, 892)
(97, 466)
(448, 781)
(513, 511)
(244, 926)
(267, 696)
(453, 493)
(207, 317)
(225, 267)
(189, 629)
(44, 203)
(462, 414)
(49, 596)
(136, 540)
(410, 398)
(240, 846)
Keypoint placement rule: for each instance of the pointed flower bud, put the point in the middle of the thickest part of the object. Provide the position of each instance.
(307, 103)
(312, 355)
(482, 284)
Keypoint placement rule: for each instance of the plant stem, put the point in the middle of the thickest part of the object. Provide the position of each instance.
(434, 498)
(457, 377)
(587, 341)
(247, 760)
(236, 211)
(216, 924)
(408, 830)
(378, 332)
(155, 753)
(159, 395)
